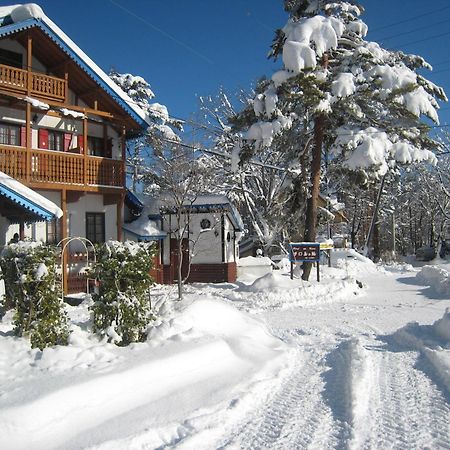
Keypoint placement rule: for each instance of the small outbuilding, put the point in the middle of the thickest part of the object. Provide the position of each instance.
(212, 228)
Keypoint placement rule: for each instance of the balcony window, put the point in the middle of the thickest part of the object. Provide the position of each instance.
(95, 227)
(55, 140)
(9, 134)
(9, 58)
(96, 146)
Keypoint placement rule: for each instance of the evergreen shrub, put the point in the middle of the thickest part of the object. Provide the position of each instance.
(33, 289)
(122, 309)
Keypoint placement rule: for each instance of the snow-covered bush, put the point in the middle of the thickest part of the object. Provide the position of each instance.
(34, 290)
(121, 309)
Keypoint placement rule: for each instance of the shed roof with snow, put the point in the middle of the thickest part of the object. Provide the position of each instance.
(24, 203)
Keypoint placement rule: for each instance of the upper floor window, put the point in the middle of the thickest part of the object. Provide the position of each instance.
(55, 140)
(9, 58)
(9, 134)
(96, 146)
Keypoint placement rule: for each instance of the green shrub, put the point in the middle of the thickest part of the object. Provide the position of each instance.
(34, 291)
(121, 309)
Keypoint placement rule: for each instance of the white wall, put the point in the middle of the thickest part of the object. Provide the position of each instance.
(205, 245)
(77, 217)
(76, 220)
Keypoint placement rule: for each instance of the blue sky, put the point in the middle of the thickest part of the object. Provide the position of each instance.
(186, 48)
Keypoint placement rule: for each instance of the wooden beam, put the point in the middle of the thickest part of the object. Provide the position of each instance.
(28, 141)
(74, 187)
(74, 196)
(119, 217)
(29, 61)
(64, 230)
(85, 150)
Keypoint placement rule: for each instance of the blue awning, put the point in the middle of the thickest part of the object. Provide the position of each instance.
(35, 206)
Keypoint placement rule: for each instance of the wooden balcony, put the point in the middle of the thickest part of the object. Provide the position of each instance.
(52, 167)
(41, 86)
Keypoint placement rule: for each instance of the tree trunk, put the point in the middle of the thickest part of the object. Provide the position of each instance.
(179, 268)
(311, 206)
(376, 240)
(374, 217)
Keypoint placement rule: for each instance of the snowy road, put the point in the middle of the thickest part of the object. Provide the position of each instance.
(269, 364)
(351, 385)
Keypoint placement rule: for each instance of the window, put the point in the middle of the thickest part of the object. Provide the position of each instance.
(95, 227)
(53, 232)
(205, 224)
(9, 134)
(55, 140)
(9, 58)
(96, 146)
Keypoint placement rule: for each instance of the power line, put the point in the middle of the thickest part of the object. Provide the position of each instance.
(425, 39)
(411, 19)
(413, 31)
(164, 33)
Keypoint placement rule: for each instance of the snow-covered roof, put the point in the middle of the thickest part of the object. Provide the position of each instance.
(16, 18)
(216, 201)
(145, 229)
(28, 199)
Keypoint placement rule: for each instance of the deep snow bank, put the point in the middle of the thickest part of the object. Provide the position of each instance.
(437, 278)
(202, 353)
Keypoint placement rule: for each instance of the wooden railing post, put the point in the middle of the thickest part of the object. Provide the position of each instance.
(124, 157)
(85, 146)
(66, 89)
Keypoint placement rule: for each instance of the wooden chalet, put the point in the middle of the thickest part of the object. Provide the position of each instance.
(63, 129)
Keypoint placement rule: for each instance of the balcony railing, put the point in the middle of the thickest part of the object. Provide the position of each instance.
(43, 86)
(46, 166)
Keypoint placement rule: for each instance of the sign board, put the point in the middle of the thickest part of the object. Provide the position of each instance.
(304, 251)
(326, 245)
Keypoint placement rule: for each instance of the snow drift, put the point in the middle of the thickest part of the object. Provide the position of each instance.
(197, 355)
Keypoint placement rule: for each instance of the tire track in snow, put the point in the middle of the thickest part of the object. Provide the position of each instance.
(296, 416)
(408, 410)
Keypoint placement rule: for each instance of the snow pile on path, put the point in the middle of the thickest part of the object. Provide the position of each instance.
(204, 353)
(276, 290)
(433, 341)
(352, 376)
(352, 263)
(437, 278)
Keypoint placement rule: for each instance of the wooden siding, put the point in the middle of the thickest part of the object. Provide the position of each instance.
(42, 86)
(206, 273)
(46, 166)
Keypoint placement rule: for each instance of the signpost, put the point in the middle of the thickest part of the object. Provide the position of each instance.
(304, 252)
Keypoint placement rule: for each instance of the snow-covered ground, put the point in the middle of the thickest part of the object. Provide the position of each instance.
(360, 360)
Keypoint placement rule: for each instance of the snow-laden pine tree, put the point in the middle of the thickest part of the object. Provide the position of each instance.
(341, 93)
(161, 129)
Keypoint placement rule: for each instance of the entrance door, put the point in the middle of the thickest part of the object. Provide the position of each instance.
(174, 258)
